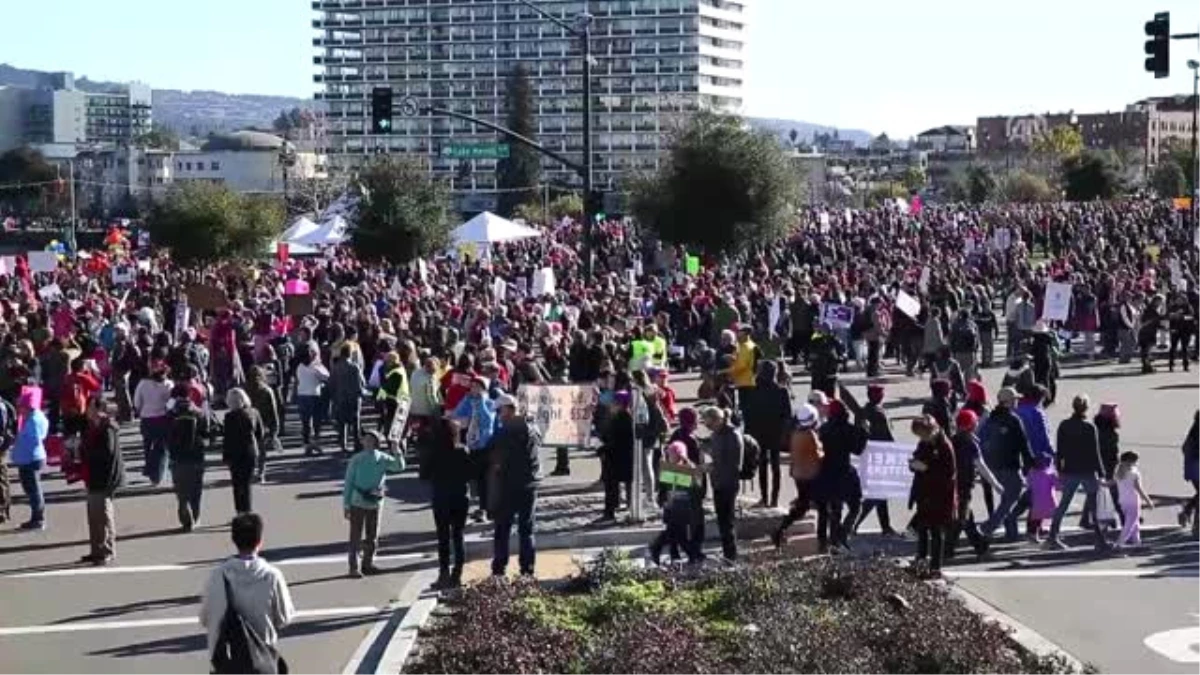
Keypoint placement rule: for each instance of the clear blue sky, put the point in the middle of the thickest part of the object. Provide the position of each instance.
(879, 65)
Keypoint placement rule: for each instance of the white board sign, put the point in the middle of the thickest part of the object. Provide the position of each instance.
(50, 292)
(123, 274)
(561, 412)
(499, 289)
(883, 470)
(42, 261)
(1002, 238)
(908, 304)
(543, 282)
(923, 282)
(1057, 304)
(8, 265)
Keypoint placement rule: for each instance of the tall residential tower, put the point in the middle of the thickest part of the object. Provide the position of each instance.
(653, 60)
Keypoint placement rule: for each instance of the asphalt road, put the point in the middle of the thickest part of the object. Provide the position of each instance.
(138, 616)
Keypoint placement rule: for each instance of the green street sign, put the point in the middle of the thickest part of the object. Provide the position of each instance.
(475, 151)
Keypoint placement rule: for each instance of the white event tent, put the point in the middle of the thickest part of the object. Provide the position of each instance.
(301, 227)
(488, 228)
(329, 233)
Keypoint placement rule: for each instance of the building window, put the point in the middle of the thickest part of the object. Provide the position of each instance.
(189, 166)
(215, 166)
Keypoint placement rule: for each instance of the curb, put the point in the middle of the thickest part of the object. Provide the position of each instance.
(1023, 635)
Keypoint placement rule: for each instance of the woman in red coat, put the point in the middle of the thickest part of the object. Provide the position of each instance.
(934, 489)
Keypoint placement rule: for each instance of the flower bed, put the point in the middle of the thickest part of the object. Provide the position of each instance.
(768, 616)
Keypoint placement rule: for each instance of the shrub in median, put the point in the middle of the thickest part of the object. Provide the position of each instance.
(769, 615)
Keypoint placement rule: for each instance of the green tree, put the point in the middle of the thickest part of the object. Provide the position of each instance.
(30, 182)
(403, 214)
(207, 222)
(721, 186)
(1180, 152)
(518, 174)
(981, 184)
(1091, 175)
(1024, 187)
(161, 137)
(882, 192)
(1058, 143)
(1168, 180)
(913, 178)
(567, 206)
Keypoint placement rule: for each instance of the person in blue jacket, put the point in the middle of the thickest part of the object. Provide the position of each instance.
(1033, 417)
(29, 455)
(476, 414)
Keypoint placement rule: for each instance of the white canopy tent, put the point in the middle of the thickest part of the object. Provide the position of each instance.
(300, 228)
(329, 233)
(488, 228)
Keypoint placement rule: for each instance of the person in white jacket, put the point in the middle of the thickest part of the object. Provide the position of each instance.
(258, 589)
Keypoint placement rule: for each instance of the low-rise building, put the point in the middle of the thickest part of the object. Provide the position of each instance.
(955, 138)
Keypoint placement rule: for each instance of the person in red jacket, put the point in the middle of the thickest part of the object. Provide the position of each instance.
(79, 386)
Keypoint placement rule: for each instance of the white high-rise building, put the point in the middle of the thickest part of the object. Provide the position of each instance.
(653, 61)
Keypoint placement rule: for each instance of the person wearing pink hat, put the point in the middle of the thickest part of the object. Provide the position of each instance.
(29, 455)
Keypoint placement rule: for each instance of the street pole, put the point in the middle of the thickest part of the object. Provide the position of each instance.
(1195, 65)
(589, 218)
(71, 236)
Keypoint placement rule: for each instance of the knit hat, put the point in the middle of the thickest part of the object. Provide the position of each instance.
(687, 419)
(836, 408)
(966, 420)
(1006, 396)
(875, 393)
(976, 392)
(1110, 411)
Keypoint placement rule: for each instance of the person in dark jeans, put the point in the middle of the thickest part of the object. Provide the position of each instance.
(838, 483)
(513, 451)
(725, 448)
(244, 432)
(1006, 445)
(447, 466)
(616, 453)
(766, 420)
(879, 428)
(1079, 466)
(188, 437)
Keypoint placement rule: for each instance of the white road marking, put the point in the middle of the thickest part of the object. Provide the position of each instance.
(1181, 645)
(369, 656)
(1068, 573)
(84, 626)
(89, 571)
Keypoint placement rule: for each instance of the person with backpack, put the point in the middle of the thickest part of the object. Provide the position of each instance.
(725, 447)
(244, 605)
(964, 341)
(806, 454)
(189, 434)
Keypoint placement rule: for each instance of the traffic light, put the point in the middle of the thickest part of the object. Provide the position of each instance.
(381, 110)
(593, 206)
(1158, 47)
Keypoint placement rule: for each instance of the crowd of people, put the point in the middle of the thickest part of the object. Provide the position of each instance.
(224, 356)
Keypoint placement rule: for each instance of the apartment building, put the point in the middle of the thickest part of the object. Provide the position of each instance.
(57, 117)
(653, 62)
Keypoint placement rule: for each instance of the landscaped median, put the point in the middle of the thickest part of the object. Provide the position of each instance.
(767, 615)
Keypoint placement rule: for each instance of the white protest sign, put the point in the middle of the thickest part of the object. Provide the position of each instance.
(773, 314)
(562, 413)
(923, 282)
(499, 289)
(883, 470)
(143, 265)
(522, 286)
(631, 280)
(42, 261)
(1057, 303)
(8, 265)
(1002, 238)
(50, 292)
(423, 271)
(837, 316)
(543, 282)
(182, 315)
(908, 304)
(123, 273)
(824, 220)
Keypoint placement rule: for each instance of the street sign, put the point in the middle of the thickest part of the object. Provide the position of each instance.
(409, 106)
(475, 151)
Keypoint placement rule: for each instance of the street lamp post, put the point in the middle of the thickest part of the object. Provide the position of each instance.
(583, 31)
(1195, 66)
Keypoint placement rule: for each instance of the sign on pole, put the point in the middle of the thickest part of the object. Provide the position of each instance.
(1057, 305)
(908, 304)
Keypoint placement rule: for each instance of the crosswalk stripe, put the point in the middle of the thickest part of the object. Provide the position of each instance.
(84, 626)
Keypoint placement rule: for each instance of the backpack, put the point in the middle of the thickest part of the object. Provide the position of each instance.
(239, 648)
(751, 456)
(74, 400)
(807, 454)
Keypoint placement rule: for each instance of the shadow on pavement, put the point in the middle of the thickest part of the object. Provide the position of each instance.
(111, 611)
(29, 548)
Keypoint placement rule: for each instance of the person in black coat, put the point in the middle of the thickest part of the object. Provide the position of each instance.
(767, 419)
(244, 432)
(189, 434)
(447, 466)
(101, 452)
(616, 453)
(838, 483)
(875, 420)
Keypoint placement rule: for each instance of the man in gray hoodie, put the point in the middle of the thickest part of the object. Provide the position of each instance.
(257, 589)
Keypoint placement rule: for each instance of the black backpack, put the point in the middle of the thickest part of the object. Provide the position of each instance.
(751, 456)
(239, 648)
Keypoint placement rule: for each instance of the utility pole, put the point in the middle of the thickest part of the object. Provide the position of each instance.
(71, 232)
(1195, 66)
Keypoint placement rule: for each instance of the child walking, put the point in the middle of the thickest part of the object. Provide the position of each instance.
(1041, 482)
(678, 476)
(1131, 495)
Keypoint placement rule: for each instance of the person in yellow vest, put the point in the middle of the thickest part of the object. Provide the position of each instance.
(392, 389)
(640, 350)
(745, 366)
(658, 347)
